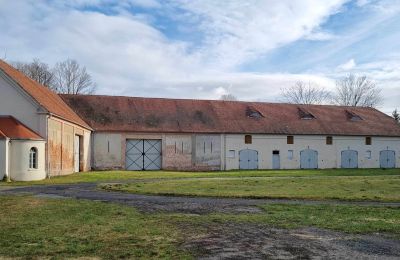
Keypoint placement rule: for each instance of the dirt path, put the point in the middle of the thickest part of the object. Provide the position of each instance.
(254, 241)
(151, 203)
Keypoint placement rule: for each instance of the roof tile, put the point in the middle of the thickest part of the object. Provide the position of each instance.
(43, 95)
(135, 114)
(14, 129)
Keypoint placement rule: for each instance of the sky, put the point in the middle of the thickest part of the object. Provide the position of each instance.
(203, 49)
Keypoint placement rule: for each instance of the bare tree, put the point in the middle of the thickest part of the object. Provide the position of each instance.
(37, 71)
(71, 78)
(228, 97)
(305, 93)
(396, 115)
(355, 91)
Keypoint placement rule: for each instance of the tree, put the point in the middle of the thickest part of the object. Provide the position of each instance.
(355, 91)
(396, 115)
(67, 77)
(305, 93)
(228, 97)
(71, 78)
(37, 71)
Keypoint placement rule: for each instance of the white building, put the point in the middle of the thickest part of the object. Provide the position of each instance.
(151, 133)
(62, 134)
(65, 145)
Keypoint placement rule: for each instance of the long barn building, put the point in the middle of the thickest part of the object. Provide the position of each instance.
(43, 134)
(174, 134)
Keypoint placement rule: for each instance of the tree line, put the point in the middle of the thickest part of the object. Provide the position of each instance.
(351, 90)
(66, 77)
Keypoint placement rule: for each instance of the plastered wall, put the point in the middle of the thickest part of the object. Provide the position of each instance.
(61, 147)
(329, 156)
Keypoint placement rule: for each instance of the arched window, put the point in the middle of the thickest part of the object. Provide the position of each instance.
(33, 158)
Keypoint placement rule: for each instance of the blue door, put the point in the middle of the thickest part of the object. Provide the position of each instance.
(349, 159)
(276, 160)
(387, 159)
(248, 159)
(308, 159)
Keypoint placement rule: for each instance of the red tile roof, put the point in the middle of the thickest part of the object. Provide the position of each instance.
(133, 114)
(14, 129)
(43, 95)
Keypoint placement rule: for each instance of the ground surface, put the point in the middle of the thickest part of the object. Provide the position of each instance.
(38, 221)
(107, 176)
(376, 188)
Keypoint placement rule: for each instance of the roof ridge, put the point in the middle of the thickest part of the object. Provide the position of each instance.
(217, 100)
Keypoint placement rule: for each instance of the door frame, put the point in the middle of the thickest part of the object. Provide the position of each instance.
(79, 153)
(394, 161)
(143, 156)
(341, 158)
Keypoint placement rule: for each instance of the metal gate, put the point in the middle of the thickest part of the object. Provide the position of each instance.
(276, 160)
(349, 159)
(308, 159)
(143, 154)
(248, 159)
(387, 159)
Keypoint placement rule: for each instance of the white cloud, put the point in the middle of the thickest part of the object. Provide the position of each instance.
(350, 64)
(127, 55)
(239, 31)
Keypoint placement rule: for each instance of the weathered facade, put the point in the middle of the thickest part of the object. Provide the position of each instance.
(66, 137)
(72, 133)
(201, 135)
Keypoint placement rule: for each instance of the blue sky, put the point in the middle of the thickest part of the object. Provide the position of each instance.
(203, 48)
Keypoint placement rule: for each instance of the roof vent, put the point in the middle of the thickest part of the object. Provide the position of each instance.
(353, 116)
(253, 113)
(305, 114)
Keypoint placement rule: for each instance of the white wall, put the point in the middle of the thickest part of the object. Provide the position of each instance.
(19, 160)
(329, 156)
(107, 151)
(16, 103)
(3, 158)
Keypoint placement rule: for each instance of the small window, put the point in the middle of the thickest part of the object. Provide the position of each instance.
(368, 154)
(231, 154)
(290, 154)
(353, 116)
(290, 139)
(305, 114)
(248, 139)
(329, 140)
(251, 112)
(33, 158)
(275, 152)
(368, 140)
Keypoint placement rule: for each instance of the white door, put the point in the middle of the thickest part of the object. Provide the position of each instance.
(76, 153)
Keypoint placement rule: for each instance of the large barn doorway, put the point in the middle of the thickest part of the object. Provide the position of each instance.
(349, 159)
(387, 159)
(143, 154)
(308, 159)
(77, 153)
(248, 159)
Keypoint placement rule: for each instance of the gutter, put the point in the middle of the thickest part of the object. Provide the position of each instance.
(7, 160)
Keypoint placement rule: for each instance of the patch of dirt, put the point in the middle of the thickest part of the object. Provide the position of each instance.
(254, 241)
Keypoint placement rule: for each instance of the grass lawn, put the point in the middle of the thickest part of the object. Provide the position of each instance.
(104, 176)
(376, 188)
(67, 228)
